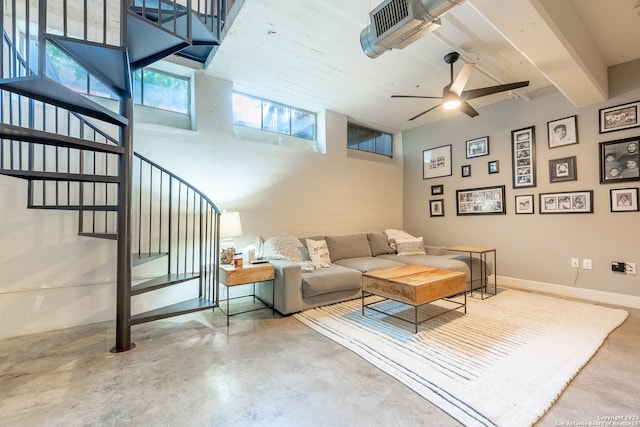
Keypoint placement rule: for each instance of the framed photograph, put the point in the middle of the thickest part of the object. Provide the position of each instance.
(523, 154)
(624, 200)
(619, 117)
(563, 169)
(466, 171)
(437, 190)
(619, 161)
(563, 131)
(494, 167)
(478, 147)
(524, 204)
(567, 202)
(436, 207)
(481, 201)
(436, 162)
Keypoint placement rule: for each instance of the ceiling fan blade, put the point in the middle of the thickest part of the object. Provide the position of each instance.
(463, 77)
(466, 108)
(416, 96)
(424, 112)
(490, 90)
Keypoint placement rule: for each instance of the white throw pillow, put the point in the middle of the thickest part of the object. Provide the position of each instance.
(318, 251)
(284, 247)
(394, 234)
(413, 246)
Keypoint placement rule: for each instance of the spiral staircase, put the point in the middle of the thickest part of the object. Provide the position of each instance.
(78, 154)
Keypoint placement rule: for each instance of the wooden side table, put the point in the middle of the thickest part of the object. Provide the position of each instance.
(482, 255)
(249, 274)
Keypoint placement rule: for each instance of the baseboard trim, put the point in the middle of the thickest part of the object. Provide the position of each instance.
(567, 291)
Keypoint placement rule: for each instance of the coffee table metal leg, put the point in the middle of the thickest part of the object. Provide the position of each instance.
(416, 317)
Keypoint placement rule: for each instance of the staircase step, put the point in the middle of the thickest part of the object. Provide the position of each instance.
(142, 258)
(49, 91)
(162, 282)
(184, 307)
(59, 176)
(18, 133)
(143, 53)
(109, 236)
(203, 41)
(109, 64)
(86, 208)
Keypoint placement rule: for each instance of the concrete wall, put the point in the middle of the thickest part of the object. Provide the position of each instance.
(534, 251)
(50, 278)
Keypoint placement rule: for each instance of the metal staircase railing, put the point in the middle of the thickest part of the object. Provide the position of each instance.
(75, 162)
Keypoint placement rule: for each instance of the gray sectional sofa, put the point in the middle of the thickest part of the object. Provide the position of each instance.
(298, 287)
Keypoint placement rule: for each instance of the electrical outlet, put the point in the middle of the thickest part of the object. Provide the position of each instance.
(630, 268)
(587, 264)
(575, 263)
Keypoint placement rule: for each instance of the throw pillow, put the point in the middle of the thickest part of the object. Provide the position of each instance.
(286, 248)
(394, 234)
(318, 251)
(413, 246)
(379, 244)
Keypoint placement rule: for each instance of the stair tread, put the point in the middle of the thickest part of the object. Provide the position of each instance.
(49, 91)
(110, 236)
(143, 53)
(162, 282)
(18, 133)
(107, 63)
(59, 176)
(178, 309)
(141, 258)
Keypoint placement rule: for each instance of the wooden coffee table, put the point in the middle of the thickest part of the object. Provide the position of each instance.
(415, 285)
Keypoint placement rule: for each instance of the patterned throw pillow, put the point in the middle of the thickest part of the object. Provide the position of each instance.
(394, 234)
(413, 246)
(286, 248)
(318, 251)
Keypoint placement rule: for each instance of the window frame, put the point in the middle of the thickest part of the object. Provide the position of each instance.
(360, 128)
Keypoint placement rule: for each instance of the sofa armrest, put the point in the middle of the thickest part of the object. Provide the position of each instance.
(287, 286)
(435, 250)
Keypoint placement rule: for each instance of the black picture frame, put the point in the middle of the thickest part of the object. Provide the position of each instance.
(481, 201)
(525, 204)
(523, 155)
(617, 158)
(563, 169)
(624, 200)
(436, 207)
(437, 190)
(477, 147)
(562, 131)
(493, 167)
(568, 202)
(619, 117)
(465, 170)
(436, 162)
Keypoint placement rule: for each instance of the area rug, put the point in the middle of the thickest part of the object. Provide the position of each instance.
(503, 363)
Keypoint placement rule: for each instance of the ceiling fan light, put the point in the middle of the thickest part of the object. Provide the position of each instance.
(451, 104)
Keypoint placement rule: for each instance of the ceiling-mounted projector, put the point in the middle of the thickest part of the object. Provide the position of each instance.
(396, 24)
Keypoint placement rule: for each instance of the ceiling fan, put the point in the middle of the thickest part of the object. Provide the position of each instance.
(453, 95)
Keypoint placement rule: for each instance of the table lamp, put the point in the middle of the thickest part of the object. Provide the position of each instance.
(230, 227)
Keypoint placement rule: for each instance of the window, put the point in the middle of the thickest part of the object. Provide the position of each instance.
(266, 115)
(371, 140)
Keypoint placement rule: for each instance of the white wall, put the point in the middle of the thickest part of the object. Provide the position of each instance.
(534, 248)
(50, 278)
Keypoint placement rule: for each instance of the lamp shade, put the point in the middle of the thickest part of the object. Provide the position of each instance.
(230, 225)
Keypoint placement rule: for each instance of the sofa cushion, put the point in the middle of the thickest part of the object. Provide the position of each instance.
(318, 251)
(331, 279)
(348, 246)
(379, 244)
(410, 246)
(370, 263)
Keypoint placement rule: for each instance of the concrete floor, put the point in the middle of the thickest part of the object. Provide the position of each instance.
(262, 371)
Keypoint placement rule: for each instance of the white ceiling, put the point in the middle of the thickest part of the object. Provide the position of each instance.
(307, 54)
